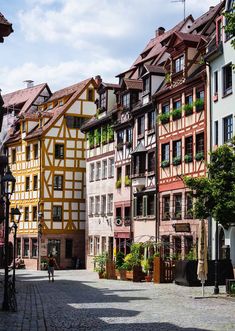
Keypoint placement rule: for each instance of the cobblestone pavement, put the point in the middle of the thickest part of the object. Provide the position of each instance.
(78, 300)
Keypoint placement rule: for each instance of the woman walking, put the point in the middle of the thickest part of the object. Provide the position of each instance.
(51, 267)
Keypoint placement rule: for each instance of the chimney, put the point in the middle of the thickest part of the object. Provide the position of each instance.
(160, 31)
(211, 7)
(29, 83)
(98, 80)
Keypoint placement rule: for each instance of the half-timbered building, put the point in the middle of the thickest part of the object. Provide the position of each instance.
(47, 157)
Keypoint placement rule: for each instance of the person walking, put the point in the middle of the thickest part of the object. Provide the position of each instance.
(51, 267)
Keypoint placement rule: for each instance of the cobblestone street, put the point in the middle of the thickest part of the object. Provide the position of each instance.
(77, 300)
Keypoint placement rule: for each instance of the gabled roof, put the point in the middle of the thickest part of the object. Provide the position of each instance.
(140, 148)
(58, 111)
(133, 84)
(154, 69)
(183, 37)
(22, 100)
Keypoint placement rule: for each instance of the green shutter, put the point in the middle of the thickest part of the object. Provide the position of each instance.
(145, 199)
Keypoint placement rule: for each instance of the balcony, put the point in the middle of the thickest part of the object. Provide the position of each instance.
(138, 181)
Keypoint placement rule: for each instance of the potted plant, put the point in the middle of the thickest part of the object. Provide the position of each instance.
(176, 114)
(165, 163)
(146, 269)
(176, 160)
(97, 137)
(164, 118)
(118, 183)
(199, 156)
(118, 264)
(188, 109)
(104, 135)
(127, 181)
(188, 158)
(199, 103)
(100, 264)
(91, 139)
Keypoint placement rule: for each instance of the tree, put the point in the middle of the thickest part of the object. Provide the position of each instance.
(215, 194)
(230, 24)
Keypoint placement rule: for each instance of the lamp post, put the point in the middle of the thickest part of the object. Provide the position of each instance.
(216, 287)
(8, 186)
(15, 212)
(40, 215)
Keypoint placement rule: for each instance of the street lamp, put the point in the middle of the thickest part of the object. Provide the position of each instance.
(15, 212)
(8, 186)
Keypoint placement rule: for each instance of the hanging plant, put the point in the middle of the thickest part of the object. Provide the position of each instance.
(104, 135)
(118, 183)
(110, 133)
(127, 181)
(91, 139)
(97, 137)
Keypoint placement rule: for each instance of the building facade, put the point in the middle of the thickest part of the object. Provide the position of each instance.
(46, 154)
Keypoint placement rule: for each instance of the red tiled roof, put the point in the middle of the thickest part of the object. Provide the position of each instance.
(154, 69)
(5, 27)
(68, 90)
(22, 100)
(3, 20)
(134, 84)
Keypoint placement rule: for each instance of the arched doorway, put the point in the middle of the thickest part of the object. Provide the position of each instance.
(221, 244)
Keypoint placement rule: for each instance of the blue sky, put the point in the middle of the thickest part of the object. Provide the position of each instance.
(62, 42)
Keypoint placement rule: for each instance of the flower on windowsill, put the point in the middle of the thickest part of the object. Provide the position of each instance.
(176, 114)
(127, 181)
(118, 183)
(199, 103)
(165, 163)
(188, 109)
(188, 158)
(177, 160)
(199, 156)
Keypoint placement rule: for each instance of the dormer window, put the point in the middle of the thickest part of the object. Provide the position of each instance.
(50, 106)
(61, 103)
(24, 126)
(126, 100)
(219, 31)
(179, 64)
(103, 100)
(90, 94)
(146, 84)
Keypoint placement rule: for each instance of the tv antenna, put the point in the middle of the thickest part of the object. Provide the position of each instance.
(182, 1)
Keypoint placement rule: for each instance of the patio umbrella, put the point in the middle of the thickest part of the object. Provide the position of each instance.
(202, 267)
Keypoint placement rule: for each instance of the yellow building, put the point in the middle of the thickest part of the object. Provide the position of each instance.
(46, 154)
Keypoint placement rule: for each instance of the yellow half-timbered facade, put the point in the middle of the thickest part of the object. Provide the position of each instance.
(47, 157)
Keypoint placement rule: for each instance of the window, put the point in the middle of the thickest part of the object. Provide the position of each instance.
(58, 182)
(151, 120)
(177, 149)
(188, 149)
(35, 151)
(24, 126)
(219, 30)
(127, 212)
(200, 143)
(151, 204)
(139, 207)
(200, 95)
(34, 247)
(129, 135)
(26, 214)
(35, 213)
(103, 100)
(146, 85)
(104, 169)
(98, 170)
(59, 151)
(166, 152)
(216, 137)
(92, 172)
(97, 245)
(57, 213)
(110, 204)
(13, 155)
(179, 64)
(119, 173)
(90, 94)
(35, 183)
(103, 244)
(119, 213)
(103, 205)
(215, 82)
(177, 206)
(26, 247)
(27, 183)
(188, 107)
(227, 79)
(74, 122)
(128, 170)
(111, 168)
(166, 207)
(177, 104)
(120, 135)
(189, 99)
(92, 206)
(188, 205)
(126, 100)
(151, 162)
(228, 128)
(91, 245)
(97, 205)
(27, 151)
(68, 248)
(140, 125)
(188, 244)
(165, 108)
(139, 164)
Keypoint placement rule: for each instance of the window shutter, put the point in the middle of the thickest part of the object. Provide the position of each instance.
(145, 199)
(134, 207)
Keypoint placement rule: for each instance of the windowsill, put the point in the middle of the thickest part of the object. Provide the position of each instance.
(151, 131)
(227, 94)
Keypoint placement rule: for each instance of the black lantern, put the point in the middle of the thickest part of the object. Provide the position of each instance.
(8, 183)
(16, 212)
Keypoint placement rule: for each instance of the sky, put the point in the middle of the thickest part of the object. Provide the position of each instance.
(61, 42)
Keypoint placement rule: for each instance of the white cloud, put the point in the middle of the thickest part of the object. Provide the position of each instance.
(58, 76)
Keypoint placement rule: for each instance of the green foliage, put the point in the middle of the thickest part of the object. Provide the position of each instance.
(100, 262)
(191, 255)
(230, 24)
(215, 194)
(167, 78)
(110, 133)
(165, 164)
(188, 109)
(104, 135)
(97, 136)
(119, 260)
(145, 265)
(199, 156)
(188, 158)
(127, 181)
(118, 183)
(91, 139)
(199, 103)
(177, 160)
(164, 118)
(176, 113)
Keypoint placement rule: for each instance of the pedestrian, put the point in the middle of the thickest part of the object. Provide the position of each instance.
(51, 266)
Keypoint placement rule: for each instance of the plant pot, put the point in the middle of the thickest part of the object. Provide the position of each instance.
(122, 273)
(148, 278)
(101, 275)
(129, 274)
